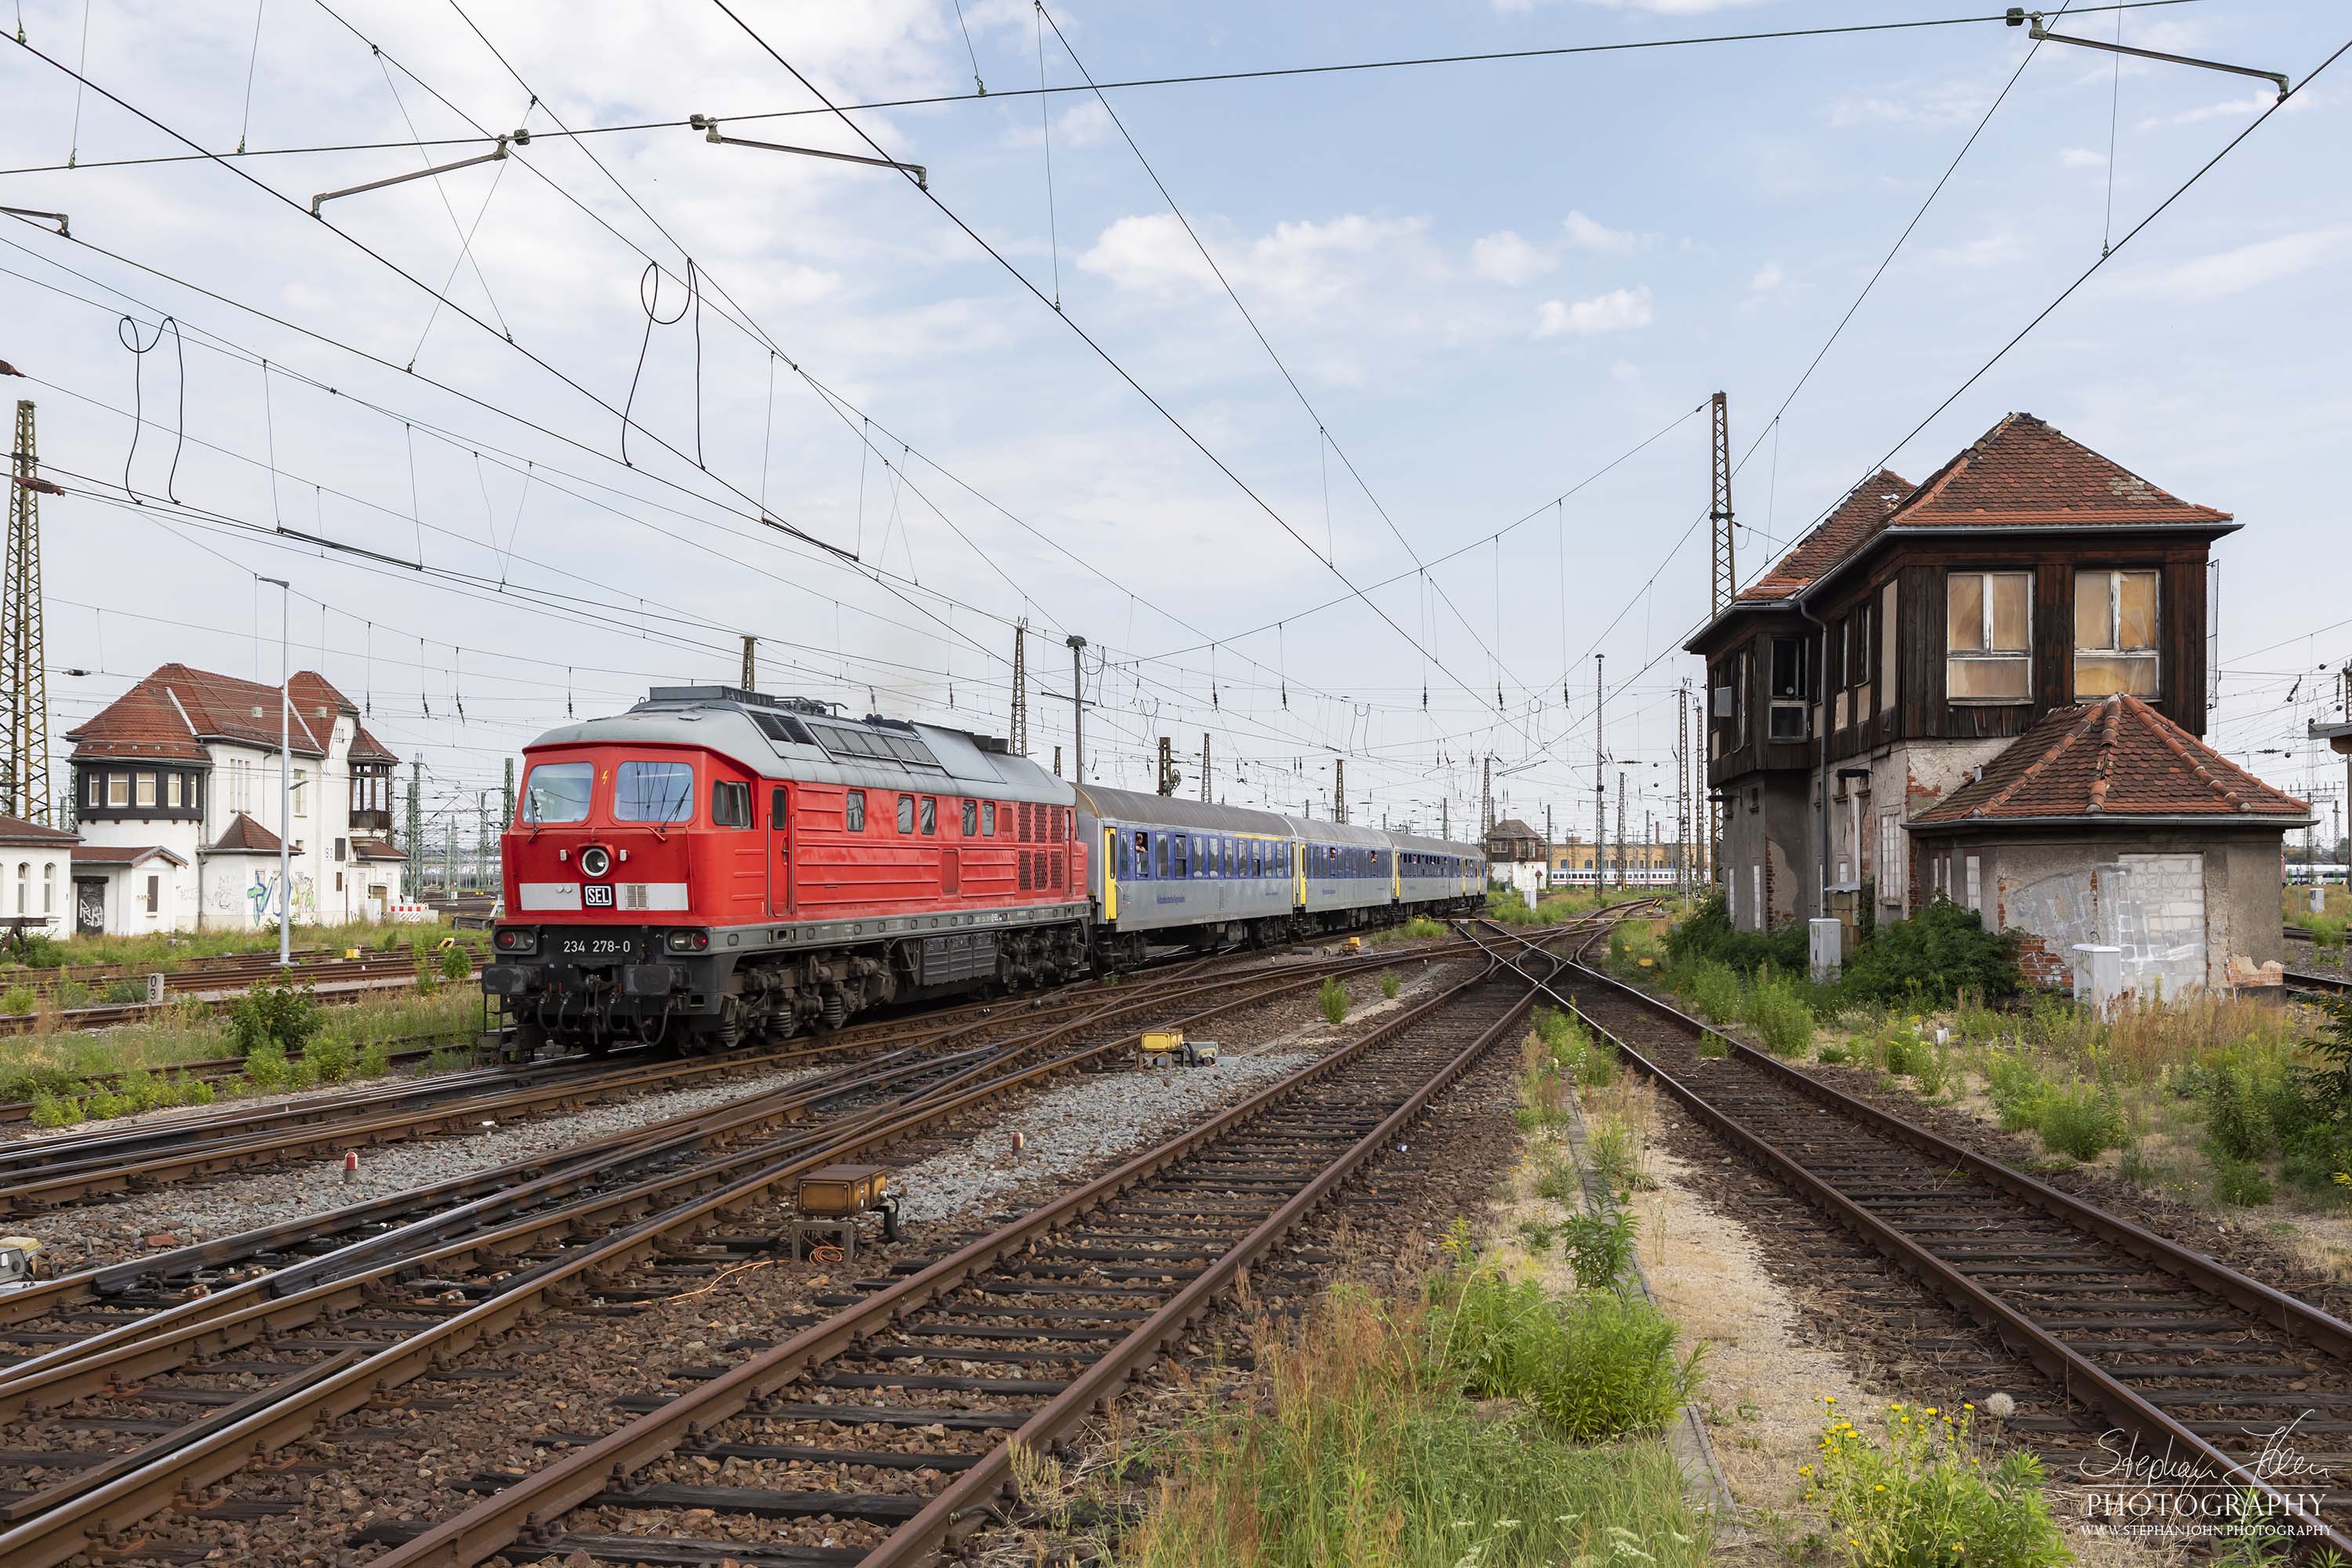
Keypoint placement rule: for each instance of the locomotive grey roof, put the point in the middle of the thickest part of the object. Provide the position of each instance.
(1421, 845)
(1176, 811)
(781, 738)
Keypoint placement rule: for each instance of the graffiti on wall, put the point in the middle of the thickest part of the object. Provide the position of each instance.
(2151, 907)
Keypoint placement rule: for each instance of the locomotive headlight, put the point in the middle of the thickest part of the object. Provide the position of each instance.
(516, 938)
(689, 941)
(595, 860)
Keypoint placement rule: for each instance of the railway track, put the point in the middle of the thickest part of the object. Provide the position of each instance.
(2133, 1333)
(128, 1394)
(1041, 1321)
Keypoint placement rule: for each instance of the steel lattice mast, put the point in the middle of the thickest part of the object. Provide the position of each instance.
(23, 685)
(1723, 577)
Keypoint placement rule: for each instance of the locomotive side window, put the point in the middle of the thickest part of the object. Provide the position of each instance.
(731, 804)
(653, 791)
(853, 810)
(905, 814)
(930, 815)
(557, 792)
(988, 819)
(971, 818)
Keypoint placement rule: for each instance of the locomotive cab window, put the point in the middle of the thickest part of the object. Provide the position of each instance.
(971, 818)
(653, 791)
(931, 810)
(555, 792)
(731, 804)
(905, 814)
(853, 811)
(988, 821)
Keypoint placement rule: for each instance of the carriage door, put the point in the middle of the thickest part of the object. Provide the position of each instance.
(1110, 872)
(779, 852)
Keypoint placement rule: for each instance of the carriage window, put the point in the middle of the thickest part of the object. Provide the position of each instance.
(731, 804)
(905, 814)
(1160, 864)
(970, 817)
(653, 791)
(1181, 844)
(988, 822)
(1141, 866)
(853, 811)
(930, 815)
(557, 792)
(1257, 860)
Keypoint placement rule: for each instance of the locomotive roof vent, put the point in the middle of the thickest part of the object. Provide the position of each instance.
(737, 696)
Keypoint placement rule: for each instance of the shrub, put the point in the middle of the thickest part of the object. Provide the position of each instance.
(67, 994)
(54, 1110)
(376, 1060)
(1930, 958)
(1614, 1151)
(1707, 933)
(106, 1105)
(19, 1000)
(279, 1013)
(266, 1066)
(1599, 1247)
(1714, 992)
(331, 1057)
(2080, 1122)
(1778, 1016)
(1333, 999)
(189, 1090)
(1390, 984)
(1831, 1054)
(456, 964)
(1558, 1179)
(1594, 1365)
(121, 993)
(1923, 1494)
(2241, 1183)
(2238, 1126)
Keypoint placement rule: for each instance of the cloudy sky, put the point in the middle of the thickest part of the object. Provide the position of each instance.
(1478, 286)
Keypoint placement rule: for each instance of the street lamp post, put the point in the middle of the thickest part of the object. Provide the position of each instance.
(285, 780)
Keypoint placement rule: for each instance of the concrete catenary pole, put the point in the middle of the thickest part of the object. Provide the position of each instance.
(285, 778)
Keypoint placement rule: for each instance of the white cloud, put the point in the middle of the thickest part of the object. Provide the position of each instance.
(1504, 258)
(2083, 158)
(1985, 250)
(1618, 311)
(1149, 252)
(1956, 102)
(1768, 278)
(1586, 234)
(1625, 374)
(2246, 267)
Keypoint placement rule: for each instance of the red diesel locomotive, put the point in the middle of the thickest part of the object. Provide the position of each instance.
(700, 869)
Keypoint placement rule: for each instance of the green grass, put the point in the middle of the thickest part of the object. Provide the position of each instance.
(68, 1071)
(1332, 997)
(163, 953)
(1596, 1365)
(1360, 1448)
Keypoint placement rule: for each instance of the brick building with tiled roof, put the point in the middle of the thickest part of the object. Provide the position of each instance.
(1989, 687)
(177, 795)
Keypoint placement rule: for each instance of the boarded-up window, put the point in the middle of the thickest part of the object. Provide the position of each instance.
(2115, 634)
(1987, 625)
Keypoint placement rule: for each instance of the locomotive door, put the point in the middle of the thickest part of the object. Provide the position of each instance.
(779, 852)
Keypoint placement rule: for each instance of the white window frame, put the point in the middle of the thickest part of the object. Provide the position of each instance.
(118, 791)
(1987, 655)
(2115, 576)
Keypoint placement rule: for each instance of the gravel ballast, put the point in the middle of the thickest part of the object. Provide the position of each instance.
(97, 1234)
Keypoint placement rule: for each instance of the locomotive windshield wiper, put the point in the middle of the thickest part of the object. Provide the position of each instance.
(669, 809)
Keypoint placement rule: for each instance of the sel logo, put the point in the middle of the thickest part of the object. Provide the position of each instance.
(597, 895)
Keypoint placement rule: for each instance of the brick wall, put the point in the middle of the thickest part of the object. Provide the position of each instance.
(2043, 968)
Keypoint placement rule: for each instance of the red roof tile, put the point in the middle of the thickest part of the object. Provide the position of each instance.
(2116, 759)
(16, 830)
(2023, 473)
(244, 833)
(1861, 514)
(173, 711)
(120, 853)
(375, 849)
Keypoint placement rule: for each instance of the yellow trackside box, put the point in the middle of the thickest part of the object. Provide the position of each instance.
(1353, 945)
(841, 1189)
(1160, 1048)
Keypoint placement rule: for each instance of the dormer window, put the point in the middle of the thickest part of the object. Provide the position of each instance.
(1988, 631)
(2115, 634)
